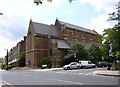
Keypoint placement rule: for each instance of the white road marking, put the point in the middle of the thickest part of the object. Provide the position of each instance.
(65, 81)
(72, 73)
(86, 74)
(27, 75)
(80, 73)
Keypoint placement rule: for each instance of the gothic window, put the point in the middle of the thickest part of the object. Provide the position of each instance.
(80, 37)
(87, 37)
(62, 26)
(70, 35)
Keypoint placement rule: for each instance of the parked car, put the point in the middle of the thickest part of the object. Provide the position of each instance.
(86, 64)
(72, 65)
(102, 64)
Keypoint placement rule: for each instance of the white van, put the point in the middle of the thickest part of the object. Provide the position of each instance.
(86, 64)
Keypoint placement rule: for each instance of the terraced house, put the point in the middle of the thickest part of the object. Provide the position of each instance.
(15, 51)
(53, 41)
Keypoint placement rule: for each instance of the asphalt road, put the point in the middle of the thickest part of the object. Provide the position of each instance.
(61, 77)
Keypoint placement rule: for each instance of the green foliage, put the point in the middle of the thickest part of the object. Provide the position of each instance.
(45, 61)
(94, 53)
(105, 52)
(114, 16)
(68, 58)
(37, 2)
(100, 38)
(112, 35)
(81, 52)
(21, 60)
(4, 66)
(117, 54)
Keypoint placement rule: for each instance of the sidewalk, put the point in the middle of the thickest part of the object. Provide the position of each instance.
(108, 73)
(51, 69)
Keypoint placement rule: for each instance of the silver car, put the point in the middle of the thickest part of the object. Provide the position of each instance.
(72, 65)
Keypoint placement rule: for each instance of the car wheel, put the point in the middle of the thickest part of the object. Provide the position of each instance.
(81, 67)
(78, 67)
(68, 68)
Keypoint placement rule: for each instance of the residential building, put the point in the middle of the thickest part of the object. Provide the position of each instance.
(15, 51)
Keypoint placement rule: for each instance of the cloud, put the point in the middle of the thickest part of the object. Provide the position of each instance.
(106, 5)
(100, 23)
(6, 44)
(13, 27)
(14, 21)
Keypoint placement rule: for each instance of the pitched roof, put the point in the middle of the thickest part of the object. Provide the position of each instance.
(78, 27)
(61, 43)
(45, 29)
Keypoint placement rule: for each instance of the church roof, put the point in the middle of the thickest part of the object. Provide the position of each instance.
(77, 27)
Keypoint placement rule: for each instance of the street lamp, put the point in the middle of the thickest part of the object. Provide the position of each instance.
(75, 55)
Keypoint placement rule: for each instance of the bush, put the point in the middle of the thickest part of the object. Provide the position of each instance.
(4, 66)
(45, 61)
(67, 59)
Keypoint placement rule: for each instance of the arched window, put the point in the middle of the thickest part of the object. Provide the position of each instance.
(80, 37)
(62, 26)
(87, 37)
(70, 35)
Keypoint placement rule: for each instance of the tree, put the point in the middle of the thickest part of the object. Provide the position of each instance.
(115, 16)
(21, 60)
(94, 53)
(81, 52)
(37, 2)
(112, 36)
(1, 62)
(117, 55)
(67, 59)
(105, 52)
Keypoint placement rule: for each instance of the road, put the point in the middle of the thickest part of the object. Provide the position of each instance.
(61, 77)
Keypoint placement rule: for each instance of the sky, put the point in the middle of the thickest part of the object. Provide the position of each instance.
(91, 14)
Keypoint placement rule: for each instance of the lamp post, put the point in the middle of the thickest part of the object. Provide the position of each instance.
(75, 56)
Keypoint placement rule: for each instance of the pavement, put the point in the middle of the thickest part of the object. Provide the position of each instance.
(108, 73)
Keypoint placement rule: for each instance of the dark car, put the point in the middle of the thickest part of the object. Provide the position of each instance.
(102, 64)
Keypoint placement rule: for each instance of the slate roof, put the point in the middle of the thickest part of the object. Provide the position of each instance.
(61, 43)
(45, 29)
(78, 27)
(86, 45)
